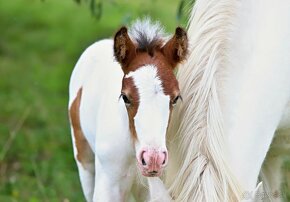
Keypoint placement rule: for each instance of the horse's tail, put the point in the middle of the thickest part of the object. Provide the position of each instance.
(197, 123)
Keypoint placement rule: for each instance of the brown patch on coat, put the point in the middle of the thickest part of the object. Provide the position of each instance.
(85, 154)
(130, 90)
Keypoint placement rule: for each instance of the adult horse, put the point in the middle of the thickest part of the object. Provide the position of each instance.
(122, 92)
(236, 89)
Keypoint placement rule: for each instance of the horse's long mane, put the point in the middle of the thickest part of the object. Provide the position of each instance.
(197, 123)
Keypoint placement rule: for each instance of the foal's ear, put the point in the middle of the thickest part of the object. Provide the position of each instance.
(124, 49)
(175, 50)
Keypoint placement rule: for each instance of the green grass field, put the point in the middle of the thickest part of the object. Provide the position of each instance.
(40, 42)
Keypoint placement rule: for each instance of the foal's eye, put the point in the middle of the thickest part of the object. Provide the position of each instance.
(126, 99)
(174, 101)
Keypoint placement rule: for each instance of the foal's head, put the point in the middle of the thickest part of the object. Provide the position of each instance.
(149, 89)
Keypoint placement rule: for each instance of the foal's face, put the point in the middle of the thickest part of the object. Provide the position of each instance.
(150, 91)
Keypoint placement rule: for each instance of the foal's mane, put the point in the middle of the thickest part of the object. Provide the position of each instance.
(147, 35)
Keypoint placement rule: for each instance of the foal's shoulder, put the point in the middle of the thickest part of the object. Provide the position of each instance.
(99, 48)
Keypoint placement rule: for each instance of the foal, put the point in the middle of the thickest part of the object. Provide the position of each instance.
(122, 92)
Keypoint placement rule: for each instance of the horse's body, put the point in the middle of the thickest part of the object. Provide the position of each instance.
(122, 92)
(102, 117)
(236, 95)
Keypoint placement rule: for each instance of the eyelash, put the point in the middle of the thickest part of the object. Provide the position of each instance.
(174, 101)
(125, 99)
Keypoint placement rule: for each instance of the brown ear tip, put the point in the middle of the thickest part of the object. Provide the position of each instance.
(123, 30)
(180, 32)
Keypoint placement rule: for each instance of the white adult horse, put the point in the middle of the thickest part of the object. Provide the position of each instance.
(119, 110)
(236, 90)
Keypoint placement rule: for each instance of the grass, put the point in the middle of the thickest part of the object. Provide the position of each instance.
(40, 43)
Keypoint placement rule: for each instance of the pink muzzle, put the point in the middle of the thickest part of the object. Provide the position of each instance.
(152, 161)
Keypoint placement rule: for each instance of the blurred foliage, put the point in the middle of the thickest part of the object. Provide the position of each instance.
(39, 46)
(97, 8)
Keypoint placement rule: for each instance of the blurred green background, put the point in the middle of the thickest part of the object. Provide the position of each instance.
(40, 42)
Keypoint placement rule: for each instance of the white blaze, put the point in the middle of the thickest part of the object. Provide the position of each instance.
(152, 116)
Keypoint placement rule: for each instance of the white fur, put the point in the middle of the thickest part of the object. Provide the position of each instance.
(158, 192)
(152, 30)
(96, 75)
(235, 86)
(152, 116)
(262, 91)
(197, 124)
(104, 121)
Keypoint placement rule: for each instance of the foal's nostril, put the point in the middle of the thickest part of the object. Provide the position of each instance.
(143, 162)
(153, 159)
(165, 158)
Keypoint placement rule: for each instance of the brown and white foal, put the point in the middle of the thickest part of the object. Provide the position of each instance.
(122, 92)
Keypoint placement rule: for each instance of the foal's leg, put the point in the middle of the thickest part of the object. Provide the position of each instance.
(113, 180)
(83, 153)
(115, 158)
(158, 192)
(115, 167)
(86, 168)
